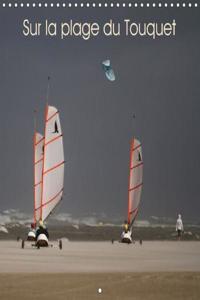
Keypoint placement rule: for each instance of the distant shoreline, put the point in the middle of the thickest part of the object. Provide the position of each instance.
(103, 233)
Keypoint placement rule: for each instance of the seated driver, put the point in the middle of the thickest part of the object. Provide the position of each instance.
(126, 226)
(32, 227)
(42, 230)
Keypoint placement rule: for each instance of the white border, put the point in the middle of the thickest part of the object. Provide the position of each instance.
(99, 4)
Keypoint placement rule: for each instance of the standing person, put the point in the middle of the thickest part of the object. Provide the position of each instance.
(179, 227)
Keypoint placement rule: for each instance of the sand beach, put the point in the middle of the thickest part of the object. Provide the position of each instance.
(155, 270)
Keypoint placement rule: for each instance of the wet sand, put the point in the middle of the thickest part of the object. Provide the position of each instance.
(100, 257)
(155, 270)
(115, 286)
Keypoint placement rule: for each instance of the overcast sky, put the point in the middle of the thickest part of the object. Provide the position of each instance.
(156, 80)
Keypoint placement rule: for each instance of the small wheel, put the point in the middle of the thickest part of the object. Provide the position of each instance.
(23, 244)
(60, 244)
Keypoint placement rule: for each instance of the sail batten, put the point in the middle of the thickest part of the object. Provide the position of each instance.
(49, 201)
(46, 203)
(54, 139)
(135, 180)
(53, 115)
(39, 140)
(53, 168)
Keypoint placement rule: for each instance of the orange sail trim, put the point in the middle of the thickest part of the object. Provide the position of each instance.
(54, 139)
(132, 147)
(52, 199)
(135, 187)
(36, 143)
(140, 164)
(47, 120)
(53, 168)
(45, 128)
(37, 183)
(138, 146)
(38, 161)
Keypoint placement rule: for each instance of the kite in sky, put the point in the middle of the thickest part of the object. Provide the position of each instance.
(108, 70)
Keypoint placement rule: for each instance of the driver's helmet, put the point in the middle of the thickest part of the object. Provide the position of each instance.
(126, 226)
(41, 224)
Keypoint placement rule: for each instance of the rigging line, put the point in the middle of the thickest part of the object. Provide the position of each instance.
(134, 217)
(53, 208)
(134, 210)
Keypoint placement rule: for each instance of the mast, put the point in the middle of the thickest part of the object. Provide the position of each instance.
(38, 144)
(34, 159)
(48, 89)
(44, 146)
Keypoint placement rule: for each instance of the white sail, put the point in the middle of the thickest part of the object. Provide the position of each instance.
(53, 163)
(38, 164)
(135, 180)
